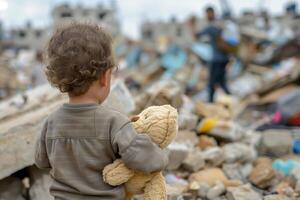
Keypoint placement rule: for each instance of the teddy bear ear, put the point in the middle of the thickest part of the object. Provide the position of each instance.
(134, 118)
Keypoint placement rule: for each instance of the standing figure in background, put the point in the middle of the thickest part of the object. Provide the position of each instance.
(220, 58)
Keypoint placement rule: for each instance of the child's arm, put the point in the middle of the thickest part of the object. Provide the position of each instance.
(41, 158)
(138, 151)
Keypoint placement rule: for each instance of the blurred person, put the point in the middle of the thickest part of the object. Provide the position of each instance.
(83, 136)
(220, 58)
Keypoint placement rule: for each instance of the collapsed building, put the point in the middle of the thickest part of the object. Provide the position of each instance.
(29, 37)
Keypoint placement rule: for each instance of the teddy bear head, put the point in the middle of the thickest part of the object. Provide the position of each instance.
(160, 123)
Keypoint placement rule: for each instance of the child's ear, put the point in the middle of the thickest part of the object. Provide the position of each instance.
(105, 77)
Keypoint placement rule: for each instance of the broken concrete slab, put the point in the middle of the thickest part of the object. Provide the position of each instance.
(213, 156)
(187, 121)
(187, 137)
(239, 152)
(263, 173)
(216, 191)
(232, 171)
(203, 189)
(177, 152)
(276, 197)
(244, 192)
(232, 133)
(194, 161)
(246, 170)
(276, 142)
(17, 149)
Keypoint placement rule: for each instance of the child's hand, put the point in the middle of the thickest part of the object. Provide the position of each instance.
(134, 118)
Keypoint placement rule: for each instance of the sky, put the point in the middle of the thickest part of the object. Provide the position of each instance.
(15, 13)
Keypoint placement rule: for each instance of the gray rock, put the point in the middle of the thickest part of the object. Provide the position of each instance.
(187, 137)
(276, 142)
(203, 190)
(252, 138)
(213, 156)
(40, 184)
(244, 192)
(289, 192)
(187, 121)
(221, 198)
(17, 149)
(11, 189)
(194, 161)
(216, 191)
(232, 171)
(246, 169)
(233, 134)
(276, 197)
(239, 152)
(295, 174)
(177, 152)
(297, 187)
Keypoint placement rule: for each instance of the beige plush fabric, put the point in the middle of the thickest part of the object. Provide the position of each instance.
(160, 123)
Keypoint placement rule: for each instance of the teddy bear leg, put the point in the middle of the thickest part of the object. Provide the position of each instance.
(117, 173)
(155, 189)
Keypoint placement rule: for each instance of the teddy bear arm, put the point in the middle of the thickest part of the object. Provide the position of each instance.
(117, 173)
(155, 189)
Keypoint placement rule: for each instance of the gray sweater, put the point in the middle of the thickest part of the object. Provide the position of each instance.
(79, 140)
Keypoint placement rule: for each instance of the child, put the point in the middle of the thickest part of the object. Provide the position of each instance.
(83, 136)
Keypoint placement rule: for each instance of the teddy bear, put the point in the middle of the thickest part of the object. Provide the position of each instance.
(161, 124)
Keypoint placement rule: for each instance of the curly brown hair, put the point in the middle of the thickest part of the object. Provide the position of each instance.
(77, 55)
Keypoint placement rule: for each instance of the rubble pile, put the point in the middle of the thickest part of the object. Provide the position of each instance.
(242, 147)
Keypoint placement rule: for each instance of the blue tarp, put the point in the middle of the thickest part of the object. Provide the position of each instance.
(203, 50)
(172, 60)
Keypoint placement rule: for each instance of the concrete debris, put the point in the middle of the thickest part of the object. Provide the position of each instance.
(231, 133)
(203, 189)
(263, 173)
(276, 197)
(213, 156)
(246, 170)
(187, 121)
(221, 147)
(276, 142)
(216, 191)
(177, 153)
(194, 161)
(239, 152)
(297, 187)
(244, 192)
(187, 137)
(206, 142)
(232, 171)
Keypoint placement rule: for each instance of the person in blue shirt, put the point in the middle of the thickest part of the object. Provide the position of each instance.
(217, 65)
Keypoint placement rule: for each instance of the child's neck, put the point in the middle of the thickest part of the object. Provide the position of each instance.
(82, 99)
